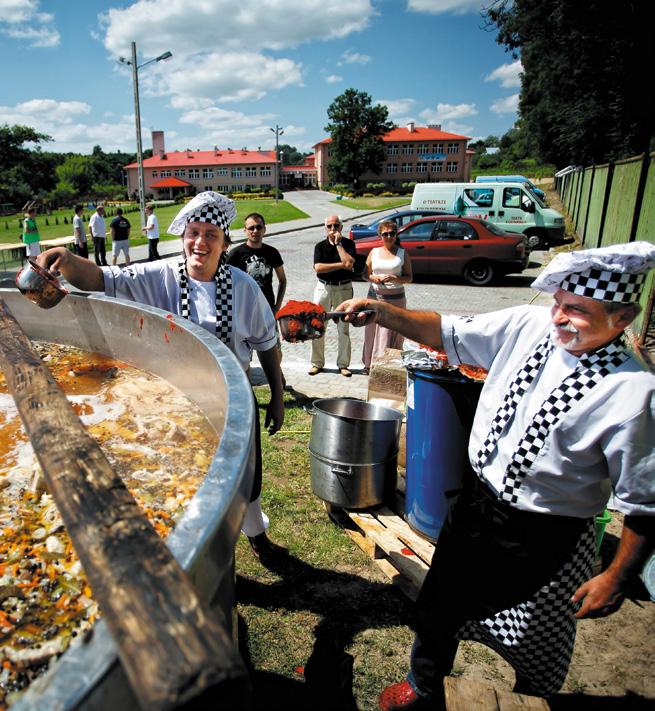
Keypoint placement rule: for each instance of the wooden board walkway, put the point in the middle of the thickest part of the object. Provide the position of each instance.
(400, 553)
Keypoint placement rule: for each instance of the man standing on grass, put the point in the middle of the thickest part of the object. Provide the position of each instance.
(152, 231)
(120, 235)
(81, 247)
(98, 233)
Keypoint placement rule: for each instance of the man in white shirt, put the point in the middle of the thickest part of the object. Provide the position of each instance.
(222, 299)
(98, 233)
(152, 231)
(566, 415)
(81, 247)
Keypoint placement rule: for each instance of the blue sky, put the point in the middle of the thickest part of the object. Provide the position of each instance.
(240, 67)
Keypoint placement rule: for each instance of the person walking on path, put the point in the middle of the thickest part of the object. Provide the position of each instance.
(120, 237)
(152, 231)
(98, 233)
(566, 415)
(31, 236)
(79, 233)
(388, 269)
(334, 259)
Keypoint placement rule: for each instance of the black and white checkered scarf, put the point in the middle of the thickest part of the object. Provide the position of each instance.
(590, 370)
(223, 278)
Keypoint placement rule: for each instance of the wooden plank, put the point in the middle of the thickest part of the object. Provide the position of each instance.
(422, 547)
(507, 701)
(462, 694)
(172, 647)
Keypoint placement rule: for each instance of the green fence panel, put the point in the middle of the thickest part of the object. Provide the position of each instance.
(570, 198)
(646, 232)
(622, 200)
(584, 203)
(596, 205)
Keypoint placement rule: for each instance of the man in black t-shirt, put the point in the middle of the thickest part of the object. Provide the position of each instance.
(334, 259)
(260, 260)
(120, 237)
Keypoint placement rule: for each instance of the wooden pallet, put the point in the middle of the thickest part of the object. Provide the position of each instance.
(400, 553)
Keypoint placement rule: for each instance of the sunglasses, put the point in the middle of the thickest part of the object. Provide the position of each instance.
(388, 234)
(255, 228)
(334, 225)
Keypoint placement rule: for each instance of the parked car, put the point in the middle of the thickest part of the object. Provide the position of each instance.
(448, 244)
(401, 219)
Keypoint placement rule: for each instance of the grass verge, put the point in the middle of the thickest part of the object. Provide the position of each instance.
(374, 203)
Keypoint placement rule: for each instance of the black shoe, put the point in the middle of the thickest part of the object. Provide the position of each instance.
(269, 554)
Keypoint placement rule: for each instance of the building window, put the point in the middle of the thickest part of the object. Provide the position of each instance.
(265, 171)
(392, 150)
(406, 168)
(408, 149)
(437, 148)
(437, 167)
(236, 173)
(251, 171)
(423, 148)
(222, 171)
(421, 167)
(392, 167)
(165, 173)
(453, 148)
(237, 188)
(194, 172)
(208, 187)
(208, 173)
(180, 173)
(266, 186)
(451, 167)
(154, 174)
(222, 188)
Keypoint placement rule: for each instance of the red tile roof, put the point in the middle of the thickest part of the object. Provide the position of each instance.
(170, 183)
(190, 159)
(420, 133)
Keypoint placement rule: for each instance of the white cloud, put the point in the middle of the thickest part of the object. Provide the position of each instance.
(439, 7)
(448, 112)
(506, 105)
(509, 75)
(399, 109)
(333, 79)
(21, 20)
(220, 76)
(184, 28)
(351, 57)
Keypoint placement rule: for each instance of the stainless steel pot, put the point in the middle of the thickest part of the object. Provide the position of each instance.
(354, 449)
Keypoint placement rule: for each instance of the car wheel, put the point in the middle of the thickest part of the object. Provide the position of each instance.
(535, 241)
(479, 273)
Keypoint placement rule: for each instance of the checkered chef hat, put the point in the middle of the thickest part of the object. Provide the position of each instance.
(614, 273)
(205, 207)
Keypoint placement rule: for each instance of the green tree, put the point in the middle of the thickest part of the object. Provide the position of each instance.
(356, 128)
(291, 155)
(581, 97)
(77, 171)
(17, 163)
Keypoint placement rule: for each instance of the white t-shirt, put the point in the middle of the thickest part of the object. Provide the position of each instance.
(97, 226)
(156, 284)
(154, 223)
(393, 266)
(78, 230)
(606, 440)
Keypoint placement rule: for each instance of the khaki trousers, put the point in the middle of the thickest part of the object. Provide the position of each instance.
(329, 297)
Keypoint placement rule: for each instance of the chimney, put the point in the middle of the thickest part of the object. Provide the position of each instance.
(189, 154)
(158, 149)
(410, 127)
(435, 126)
(215, 150)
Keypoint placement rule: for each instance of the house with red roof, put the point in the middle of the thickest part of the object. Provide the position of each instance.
(299, 176)
(420, 154)
(169, 174)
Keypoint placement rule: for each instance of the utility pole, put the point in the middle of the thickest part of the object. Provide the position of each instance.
(278, 131)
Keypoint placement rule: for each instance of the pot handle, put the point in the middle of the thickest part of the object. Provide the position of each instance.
(310, 408)
(347, 471)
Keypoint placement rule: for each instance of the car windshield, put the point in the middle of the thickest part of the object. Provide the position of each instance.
(533, 195)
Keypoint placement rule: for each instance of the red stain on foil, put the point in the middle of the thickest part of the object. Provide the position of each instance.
(407, 551)
(166, 338)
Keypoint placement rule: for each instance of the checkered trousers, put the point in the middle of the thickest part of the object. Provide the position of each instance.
(590, 370)
(536, 636)
(223, 279)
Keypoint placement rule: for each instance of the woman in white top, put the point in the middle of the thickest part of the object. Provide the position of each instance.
(388, 268)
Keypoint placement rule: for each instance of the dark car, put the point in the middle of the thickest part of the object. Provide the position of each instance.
(448, 244)
(400, 218)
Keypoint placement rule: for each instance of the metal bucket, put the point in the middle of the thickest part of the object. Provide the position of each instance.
(89, 676)
(354, 450)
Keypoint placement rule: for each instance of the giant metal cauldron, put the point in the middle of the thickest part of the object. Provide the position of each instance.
(89, 676)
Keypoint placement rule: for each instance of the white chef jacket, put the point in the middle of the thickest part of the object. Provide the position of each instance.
(156, 284)
(606, 440)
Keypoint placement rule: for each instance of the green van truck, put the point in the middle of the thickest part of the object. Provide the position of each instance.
(512, 207)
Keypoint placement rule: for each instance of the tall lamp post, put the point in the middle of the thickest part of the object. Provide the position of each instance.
(137, 117)
(278, 131)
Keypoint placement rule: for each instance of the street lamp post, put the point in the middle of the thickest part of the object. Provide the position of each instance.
(278, 131)
(137, 118)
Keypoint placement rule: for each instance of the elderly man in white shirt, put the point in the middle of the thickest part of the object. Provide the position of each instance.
(201, 287)
(567, 415)
(99, 235)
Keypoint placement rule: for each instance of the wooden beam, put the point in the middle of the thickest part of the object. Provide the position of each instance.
(172, 647)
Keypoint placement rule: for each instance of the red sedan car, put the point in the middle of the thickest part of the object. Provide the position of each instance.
(446, 244)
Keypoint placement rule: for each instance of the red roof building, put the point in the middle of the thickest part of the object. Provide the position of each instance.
(299, 176)
(188, 172)
(413, 154)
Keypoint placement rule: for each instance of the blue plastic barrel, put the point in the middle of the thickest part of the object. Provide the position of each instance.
(440, 409)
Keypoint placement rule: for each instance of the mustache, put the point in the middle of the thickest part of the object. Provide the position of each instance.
(568, 327)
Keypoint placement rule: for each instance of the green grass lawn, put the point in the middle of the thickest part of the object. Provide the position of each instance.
(10, 227)
(374, 203)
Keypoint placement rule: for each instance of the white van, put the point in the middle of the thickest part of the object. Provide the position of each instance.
(512, 207)
(511, 179)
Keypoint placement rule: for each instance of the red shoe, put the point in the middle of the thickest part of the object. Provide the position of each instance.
(399, 697)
